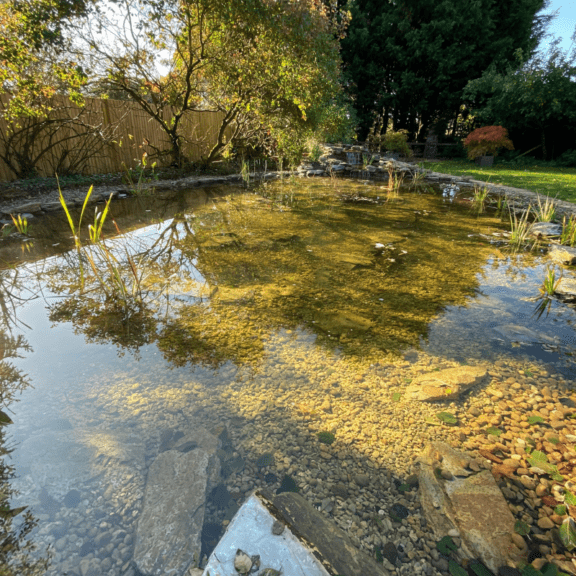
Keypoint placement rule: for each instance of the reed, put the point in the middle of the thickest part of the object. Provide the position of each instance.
(545, 211)
(519, 228)
(394, 183)
(501, 206)
(245, 172)
(120, 283)
(418, 177)
(479, 198)
(21, 224)
(550, 283)
(568, 235)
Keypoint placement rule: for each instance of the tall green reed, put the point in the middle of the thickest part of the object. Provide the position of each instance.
(519, 228)
(568, 235)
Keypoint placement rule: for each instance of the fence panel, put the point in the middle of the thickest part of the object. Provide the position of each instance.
(130, 132)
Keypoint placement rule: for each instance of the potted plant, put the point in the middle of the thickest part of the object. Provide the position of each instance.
(483, 144)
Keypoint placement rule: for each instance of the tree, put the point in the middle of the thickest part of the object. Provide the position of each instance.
(536, 100)
(409, 60)
(249, 59)
(36, 61)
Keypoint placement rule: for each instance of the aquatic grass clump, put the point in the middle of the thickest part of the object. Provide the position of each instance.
(394, 182)
(550, 282)
(519, 228)
(545, 212)
(479, 198)
(568, 235)
(245, 172)
(501, 206)
(21, 224)
(418, 177)
(110, 274)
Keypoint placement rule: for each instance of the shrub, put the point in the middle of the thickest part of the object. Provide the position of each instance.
(566, 160)
(487, 141)
(397, 142)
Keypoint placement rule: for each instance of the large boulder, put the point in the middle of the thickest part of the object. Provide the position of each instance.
(457, 499)
(445, 384)
(170, 525)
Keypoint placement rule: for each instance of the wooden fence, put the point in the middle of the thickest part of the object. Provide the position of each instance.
(75, 138)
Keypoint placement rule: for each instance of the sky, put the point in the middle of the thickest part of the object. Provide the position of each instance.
(565, 23)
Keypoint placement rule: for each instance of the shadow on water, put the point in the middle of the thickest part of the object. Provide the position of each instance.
(266, 318)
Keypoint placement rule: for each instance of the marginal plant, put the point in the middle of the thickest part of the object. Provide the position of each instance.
(568, 235)
(519, 228)
(550, 283)
(479, 198)
(245, 172)
(394, 182)
(6, 230)
(136, 178)
(107, 269)
(21, 224)
(546, 211)
(315, 152)
(501, 206)
(418, 177)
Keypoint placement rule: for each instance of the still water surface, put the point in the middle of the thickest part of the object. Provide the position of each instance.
(276, 289)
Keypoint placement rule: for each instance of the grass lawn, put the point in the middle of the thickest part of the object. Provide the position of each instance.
(555, 182)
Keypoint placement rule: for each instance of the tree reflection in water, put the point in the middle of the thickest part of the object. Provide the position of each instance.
(18, 554)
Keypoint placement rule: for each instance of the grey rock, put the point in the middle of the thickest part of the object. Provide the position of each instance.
(545, 229)
(567, 288)
(170, 525)
(473, 505)
(562, 254)
(335, 547)
(31, 207)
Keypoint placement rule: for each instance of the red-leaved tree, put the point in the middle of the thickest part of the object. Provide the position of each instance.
(486, 141)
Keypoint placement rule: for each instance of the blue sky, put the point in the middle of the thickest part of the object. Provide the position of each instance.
(563, 25)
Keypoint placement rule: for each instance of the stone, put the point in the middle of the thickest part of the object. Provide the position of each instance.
(389, 552)
(333, 545)
(242, 562)
(562, 254)
(31, 208)
(545, 229)
(545, 523)
(473, 505)
(446, 384)
(566, 288)
(170, 524)
(362, 479)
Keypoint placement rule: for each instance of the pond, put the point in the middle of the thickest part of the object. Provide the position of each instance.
(250, 320)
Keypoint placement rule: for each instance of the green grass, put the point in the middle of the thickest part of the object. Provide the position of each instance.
(555, 182)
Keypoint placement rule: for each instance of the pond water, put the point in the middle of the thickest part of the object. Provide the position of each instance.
(259, 315)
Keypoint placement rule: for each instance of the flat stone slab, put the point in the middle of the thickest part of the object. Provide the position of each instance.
(545, 229)
(566, 288)
(565, 255)
(445, 384)
(291, 537)
(170, 525)
(455, 498)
